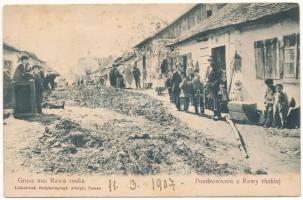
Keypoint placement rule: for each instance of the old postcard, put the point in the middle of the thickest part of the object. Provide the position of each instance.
(151, 100)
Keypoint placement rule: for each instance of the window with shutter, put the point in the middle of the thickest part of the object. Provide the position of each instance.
(298, 56)
(271, 66)
(290, 56)
(266, 59)
(259, 59)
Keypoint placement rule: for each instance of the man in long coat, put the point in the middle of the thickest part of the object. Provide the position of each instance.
(113, 76)
(213, 81)
(175, 83)
(137, 74)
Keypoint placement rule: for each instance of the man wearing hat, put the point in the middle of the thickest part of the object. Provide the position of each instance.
(211, 75)
(22, 72)
(38, 87)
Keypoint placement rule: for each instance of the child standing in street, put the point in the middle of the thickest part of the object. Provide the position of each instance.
(280, 107)
(222, 98)
(159, 85)
(269, 102)
(187, 90)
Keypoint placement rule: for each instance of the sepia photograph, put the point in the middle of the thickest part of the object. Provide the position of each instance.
(161, 97)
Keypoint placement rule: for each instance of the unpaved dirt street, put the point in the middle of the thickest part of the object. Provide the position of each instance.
(106, 131)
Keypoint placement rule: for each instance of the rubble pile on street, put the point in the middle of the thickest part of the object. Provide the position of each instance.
(122, 146)
(122, 101)
(66, 147)
(56, 97)
(66, 131)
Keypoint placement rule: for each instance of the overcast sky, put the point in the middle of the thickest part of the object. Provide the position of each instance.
(62, 34)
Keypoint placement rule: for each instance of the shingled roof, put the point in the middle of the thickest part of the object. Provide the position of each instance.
(236, 14)
(151, 37)
(30, 54)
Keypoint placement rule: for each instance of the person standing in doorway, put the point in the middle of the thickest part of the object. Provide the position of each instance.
(137, 74)
(213, 81)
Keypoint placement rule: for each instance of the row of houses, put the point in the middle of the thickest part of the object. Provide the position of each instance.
(250, 42)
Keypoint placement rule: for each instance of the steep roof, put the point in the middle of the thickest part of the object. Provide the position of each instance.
(235, 14)
(10, 48)
(30, 54)
(125, 57)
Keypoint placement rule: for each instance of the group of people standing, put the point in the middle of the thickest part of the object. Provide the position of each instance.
(24, 72)
(211, 93)
(116, 77)
(276, 105)
(187, 87)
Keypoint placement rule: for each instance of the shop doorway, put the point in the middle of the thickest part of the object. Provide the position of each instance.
(164, 66)
(218, 55)
(185, 60)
